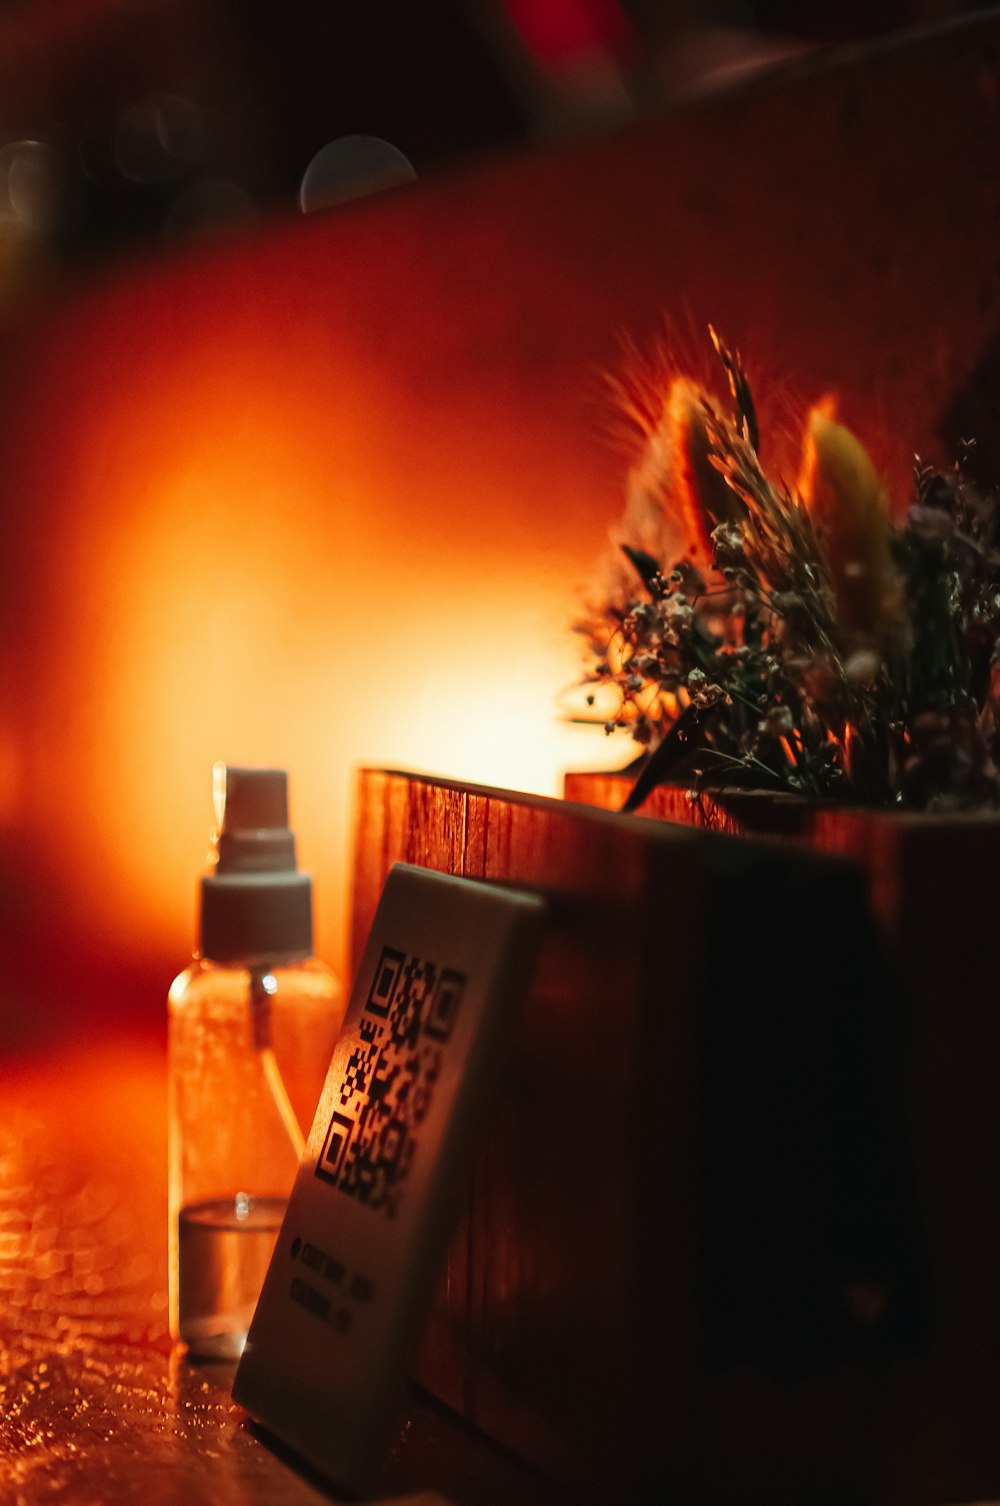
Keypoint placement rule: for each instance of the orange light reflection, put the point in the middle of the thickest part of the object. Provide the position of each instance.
(251, 572)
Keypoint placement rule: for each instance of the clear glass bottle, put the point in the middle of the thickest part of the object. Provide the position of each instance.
(251, 1028)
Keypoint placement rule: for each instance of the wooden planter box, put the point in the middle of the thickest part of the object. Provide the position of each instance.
(934, 887)
(911, 862)
(733, 1228)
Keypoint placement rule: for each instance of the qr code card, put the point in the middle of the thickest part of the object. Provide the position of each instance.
(357, 1258)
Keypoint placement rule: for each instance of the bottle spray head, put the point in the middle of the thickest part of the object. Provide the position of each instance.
(255, 904)
(251, 814)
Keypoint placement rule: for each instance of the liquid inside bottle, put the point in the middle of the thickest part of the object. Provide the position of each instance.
(223, 1249)
(241, 1098)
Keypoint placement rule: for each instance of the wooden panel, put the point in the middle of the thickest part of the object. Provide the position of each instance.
(588, 1303)
(427, 825)
(905, 856)
(580, 1100)
(575, 1101)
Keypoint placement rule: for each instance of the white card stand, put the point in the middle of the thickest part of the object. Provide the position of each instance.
(359, 1251)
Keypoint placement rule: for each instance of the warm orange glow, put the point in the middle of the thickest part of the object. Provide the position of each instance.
(648, 699)
(273, 547)
(11, 777)
(689, 457)
(241, 614)
(825, 409)
(618, 653)
(848, 744)
(332, 493)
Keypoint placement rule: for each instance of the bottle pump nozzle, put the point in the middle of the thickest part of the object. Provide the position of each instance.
(255, 904)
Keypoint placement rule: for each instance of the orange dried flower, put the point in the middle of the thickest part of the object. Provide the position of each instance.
(850, 509)
(701, 497)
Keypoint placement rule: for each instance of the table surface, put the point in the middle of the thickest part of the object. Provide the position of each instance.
(94, 1404)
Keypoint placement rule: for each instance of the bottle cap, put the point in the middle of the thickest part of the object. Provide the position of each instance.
(255, 904)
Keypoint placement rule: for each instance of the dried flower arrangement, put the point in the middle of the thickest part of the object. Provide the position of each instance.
(796, 640)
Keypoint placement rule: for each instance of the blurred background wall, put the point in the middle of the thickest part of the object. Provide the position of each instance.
(317, 491)
(126, 123)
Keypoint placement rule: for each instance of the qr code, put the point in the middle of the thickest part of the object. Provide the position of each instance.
(389, 1079)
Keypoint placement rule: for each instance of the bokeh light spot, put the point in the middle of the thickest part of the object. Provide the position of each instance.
(30, 187)
(351, 168)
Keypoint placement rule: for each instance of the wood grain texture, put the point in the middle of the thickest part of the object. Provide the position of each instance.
(582, 1348)
(523, 1366)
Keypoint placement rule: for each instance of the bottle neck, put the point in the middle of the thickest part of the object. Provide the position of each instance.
(263, 963)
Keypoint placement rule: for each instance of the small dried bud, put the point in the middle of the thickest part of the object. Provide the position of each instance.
(788, 603)
(727, 545)
(929, 726)
(696, 679)
(864, 667)
(710, 695)
(634, 682)
(932, 524)
(677, 612)
(821, 682)
(777, 722)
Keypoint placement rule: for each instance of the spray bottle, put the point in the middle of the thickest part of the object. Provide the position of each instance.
(251, 1027)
